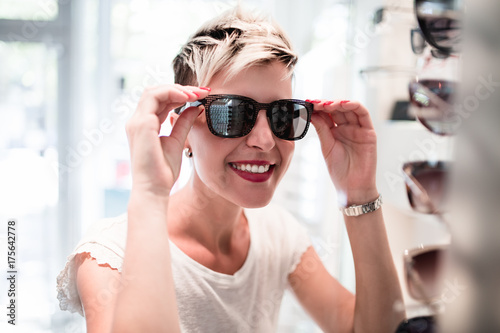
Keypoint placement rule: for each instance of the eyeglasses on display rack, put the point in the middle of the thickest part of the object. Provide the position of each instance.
(440, 22)
(433, 103)
(427, 185)
(418, 44)
(423, 268)
(427, 182)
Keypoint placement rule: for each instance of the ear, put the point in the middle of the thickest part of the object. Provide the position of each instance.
(172, 117)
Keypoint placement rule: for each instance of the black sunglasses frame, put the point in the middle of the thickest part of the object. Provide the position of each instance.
(207, 102)
(419, 43)
(427, 29)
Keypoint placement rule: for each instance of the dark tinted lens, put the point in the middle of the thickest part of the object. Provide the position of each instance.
(440, 22)
(425, 324)
(231, 117)
(443, 33)
(435, 183)
(424, 282)
(289, 120)
(432, 101)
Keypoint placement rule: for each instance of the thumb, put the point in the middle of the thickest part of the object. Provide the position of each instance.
(324, 131)
(184, 123)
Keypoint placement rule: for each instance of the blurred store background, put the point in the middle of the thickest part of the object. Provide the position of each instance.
(72, 71)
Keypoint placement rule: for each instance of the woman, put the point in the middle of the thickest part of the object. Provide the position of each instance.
(203, 259)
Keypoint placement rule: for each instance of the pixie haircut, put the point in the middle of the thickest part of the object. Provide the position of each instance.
(232, 42)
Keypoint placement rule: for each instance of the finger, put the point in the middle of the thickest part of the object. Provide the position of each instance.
(195, 89)
(191, 92)
(324, 131)
(339, 118)
(165, 98)
(355, 108)
(351, 117)
(327, 118)
(184, 123)
(329, 107)
(155, 100)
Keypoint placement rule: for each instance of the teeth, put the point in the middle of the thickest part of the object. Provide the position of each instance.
(251, 168)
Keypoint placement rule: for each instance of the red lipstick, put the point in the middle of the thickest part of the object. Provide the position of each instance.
(257, 177)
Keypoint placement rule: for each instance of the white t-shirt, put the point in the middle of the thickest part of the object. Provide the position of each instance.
(208, 301)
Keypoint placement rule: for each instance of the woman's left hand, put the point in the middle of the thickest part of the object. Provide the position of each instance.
(349, 146)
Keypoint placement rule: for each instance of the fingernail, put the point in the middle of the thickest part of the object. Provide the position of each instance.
(206, 88)
(308, 100)
(197, 95)
(315, 101)
(328, 103)
(346, 101)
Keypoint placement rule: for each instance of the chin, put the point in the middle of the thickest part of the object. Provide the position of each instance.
(255, 201)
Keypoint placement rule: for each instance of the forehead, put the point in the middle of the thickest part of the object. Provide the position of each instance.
(263, 83)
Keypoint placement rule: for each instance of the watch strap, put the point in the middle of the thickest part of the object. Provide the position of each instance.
(357, 210)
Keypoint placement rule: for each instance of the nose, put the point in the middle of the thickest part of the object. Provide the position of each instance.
(261, 136)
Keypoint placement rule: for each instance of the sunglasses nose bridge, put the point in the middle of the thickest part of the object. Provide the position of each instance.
(261, 135)
(263, 112)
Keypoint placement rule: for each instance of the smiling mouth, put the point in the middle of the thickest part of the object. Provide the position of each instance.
(251, 168)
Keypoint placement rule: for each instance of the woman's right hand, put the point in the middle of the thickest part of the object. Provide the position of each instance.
(155, 160)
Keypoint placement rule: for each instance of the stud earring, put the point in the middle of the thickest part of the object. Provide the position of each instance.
(188, 153)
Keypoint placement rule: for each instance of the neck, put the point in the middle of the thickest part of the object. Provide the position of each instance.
(205, 217)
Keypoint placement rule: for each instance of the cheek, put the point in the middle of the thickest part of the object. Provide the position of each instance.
(198, 137)
(208, 154)
(286, 149)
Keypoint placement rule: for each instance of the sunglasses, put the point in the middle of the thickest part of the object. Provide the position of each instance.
(424, 268)
(440, 23)
(426, 185)
(234, 116)
(418, 45)
(432, 101)
(422, 324)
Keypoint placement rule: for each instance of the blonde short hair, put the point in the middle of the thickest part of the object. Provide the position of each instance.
(233, 42)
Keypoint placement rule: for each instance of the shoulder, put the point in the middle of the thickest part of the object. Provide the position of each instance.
(97, 286)
(100, 251)
(109, 234)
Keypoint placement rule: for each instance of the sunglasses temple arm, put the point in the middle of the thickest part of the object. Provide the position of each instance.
(181, 109)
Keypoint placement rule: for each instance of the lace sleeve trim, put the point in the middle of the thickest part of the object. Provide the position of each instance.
(298, 256)
(67, 292)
